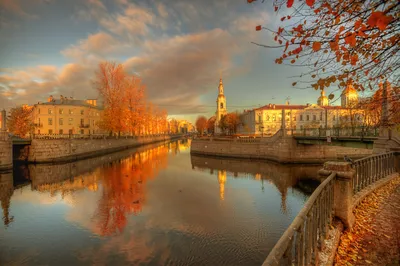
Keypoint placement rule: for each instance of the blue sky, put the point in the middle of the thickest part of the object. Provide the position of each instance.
(178, 48)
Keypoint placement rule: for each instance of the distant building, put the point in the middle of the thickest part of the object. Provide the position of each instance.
(67, 116)
(221, 106)
(179, 126)
(268, 119)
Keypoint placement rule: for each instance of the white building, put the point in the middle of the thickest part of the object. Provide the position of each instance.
(267, 120)
(221, 107)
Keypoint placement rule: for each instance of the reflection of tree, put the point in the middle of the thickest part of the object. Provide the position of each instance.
(6, 191)
(124, 188)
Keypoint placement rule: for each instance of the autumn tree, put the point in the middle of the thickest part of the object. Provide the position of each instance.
(126, 110)
(339, 41)
(211, 125)
(201, 124)
(230, 122)
(111, 84)
(20, 121)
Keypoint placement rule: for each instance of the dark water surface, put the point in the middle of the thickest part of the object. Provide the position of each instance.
(156, 205)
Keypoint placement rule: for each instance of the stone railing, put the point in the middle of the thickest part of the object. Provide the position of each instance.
(371, 169)
(300, 243)
(4, 136)
(344, 183)
(95, 136)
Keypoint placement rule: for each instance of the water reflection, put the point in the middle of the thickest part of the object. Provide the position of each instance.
(282, 176)
(148, 207)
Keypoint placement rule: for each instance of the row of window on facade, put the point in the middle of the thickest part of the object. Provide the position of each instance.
(70, 131)
(70, 111)
(61, 121)
(273, 118)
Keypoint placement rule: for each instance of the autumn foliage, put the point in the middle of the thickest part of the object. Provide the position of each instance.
(201, 124)
(125, 107)
(340, 41)
(20, 121)
(230, 123)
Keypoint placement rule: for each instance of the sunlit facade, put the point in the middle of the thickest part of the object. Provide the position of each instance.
(268, 119)
(67, 116)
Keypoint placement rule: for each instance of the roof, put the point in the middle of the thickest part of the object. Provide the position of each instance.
(281, 106)
(70, 102)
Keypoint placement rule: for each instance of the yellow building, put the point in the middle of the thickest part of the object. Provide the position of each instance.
(221, 107)
(268, 119)
(66, 116)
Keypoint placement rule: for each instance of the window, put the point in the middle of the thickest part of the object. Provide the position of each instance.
(50, 111)
(61, 121)
(320, 116)
(259, 119)
(93, 122)
(294, 118)
(50, 122)
(39, 111)
(301, 127)
(61, 132)
(39, 121)
(70, 121)
(50, 131)
(82, 112)
(314, 117)
(334, 118)
(71, 111)
(61, 111)
(301, 117)
(82, 131)
(274, 118)
(82, 121)
(38, 131)
(267, 118)
(70, 131)
(308, 118)
(221, 106)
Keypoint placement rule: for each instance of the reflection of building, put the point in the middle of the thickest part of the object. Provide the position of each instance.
(221, 107)
(6, 191)
(67, 116)
(282, 176)
(268, 119)
(221, 181)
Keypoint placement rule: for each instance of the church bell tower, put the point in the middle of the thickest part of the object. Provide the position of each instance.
(221, 106)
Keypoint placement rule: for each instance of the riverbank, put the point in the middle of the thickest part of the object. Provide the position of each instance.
(67, 150)
(276, 148)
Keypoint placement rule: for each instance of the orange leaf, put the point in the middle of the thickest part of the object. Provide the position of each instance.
(290, 3)
(316, 46)
(258, 28)
(310, 2)
(276, 8)
(292, 61)
(351, 40)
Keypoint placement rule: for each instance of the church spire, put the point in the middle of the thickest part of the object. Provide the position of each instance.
(221, 87)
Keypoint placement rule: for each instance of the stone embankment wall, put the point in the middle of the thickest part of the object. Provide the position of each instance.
(64, 150)
(5, 154)
(277, 148)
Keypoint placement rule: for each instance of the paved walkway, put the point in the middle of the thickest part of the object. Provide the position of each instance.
(375, 238)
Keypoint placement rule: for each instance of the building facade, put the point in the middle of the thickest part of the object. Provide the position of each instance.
(67, 116)
(221, 107)
(267, 120)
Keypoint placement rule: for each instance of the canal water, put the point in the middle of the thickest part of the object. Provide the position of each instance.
(156, 205)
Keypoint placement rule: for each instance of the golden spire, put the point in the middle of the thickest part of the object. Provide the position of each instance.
(221, 181)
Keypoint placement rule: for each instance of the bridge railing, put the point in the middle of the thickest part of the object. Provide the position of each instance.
(300, 243)
(372, 168)
(335, 132)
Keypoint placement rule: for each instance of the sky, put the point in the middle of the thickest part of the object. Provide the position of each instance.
(179, 48)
